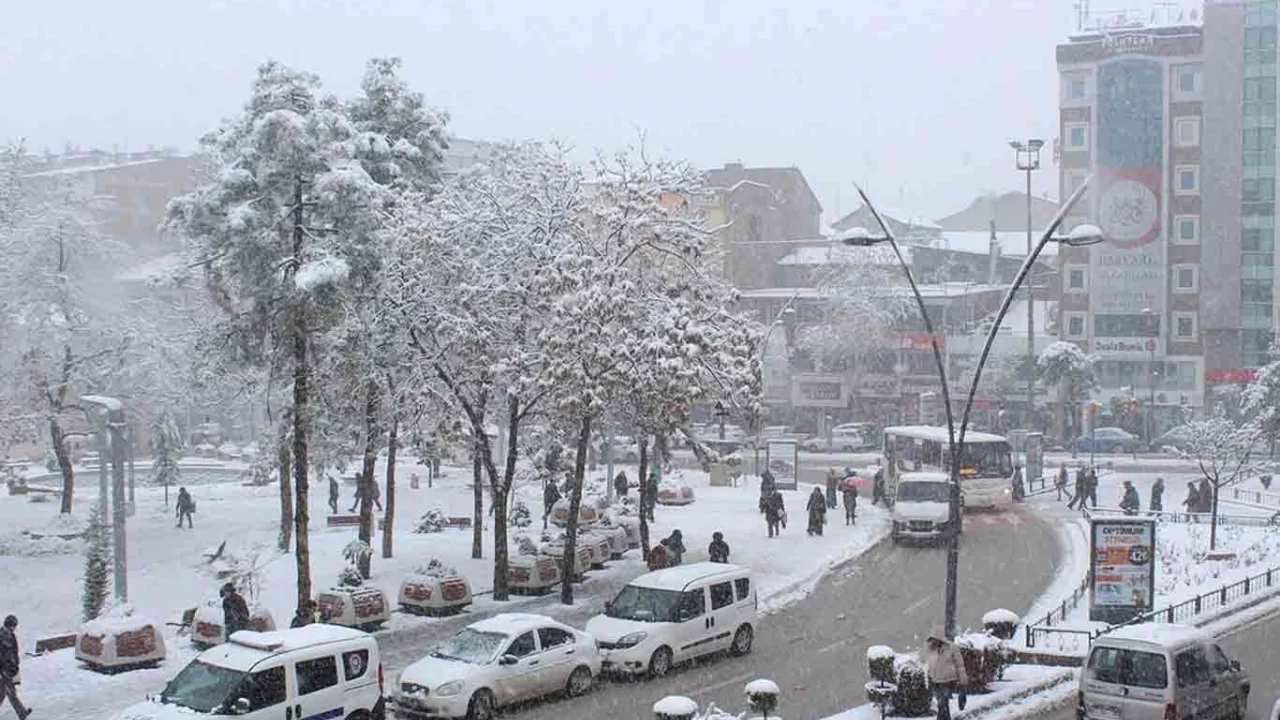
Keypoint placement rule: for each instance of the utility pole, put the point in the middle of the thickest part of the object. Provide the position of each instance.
(1028, 159)
(116, 430)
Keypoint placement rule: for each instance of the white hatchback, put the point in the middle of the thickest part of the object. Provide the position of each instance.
(495, 662)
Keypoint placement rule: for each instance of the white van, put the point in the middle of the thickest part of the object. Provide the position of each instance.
(316, 671)
(1156, 671)
(922, 507)
(673, 615)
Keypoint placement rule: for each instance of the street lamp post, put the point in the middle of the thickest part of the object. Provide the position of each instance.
(1150, 425)
(785, 311)
(859, 237)
(116, 428)
(1028, 160)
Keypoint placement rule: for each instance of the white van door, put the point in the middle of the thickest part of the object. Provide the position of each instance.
(723, 615)
(319, 694)
(1102, 687)
(267, 690)
(693, 631)
(1195, 691)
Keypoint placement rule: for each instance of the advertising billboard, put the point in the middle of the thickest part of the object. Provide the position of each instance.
(1127, 271)
(1122, 568)
(819, 391)
(782, 457)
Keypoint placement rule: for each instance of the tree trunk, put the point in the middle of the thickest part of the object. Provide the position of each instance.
(1213, 521)
(477, 479)
(389, 517)
(644, 495)
(575, 504)
(64, 465)
(302, 544)
(284, 457)
(501, 493)
(366, 480)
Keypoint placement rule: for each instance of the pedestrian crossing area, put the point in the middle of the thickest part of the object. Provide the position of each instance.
(1003, 519)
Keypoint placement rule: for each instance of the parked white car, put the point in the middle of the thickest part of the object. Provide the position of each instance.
(495, 662)
(673, 615)
(313, 671)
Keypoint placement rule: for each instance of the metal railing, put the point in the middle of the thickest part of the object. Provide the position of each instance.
(1071, 639)
(1256, 497)
(1191, 518)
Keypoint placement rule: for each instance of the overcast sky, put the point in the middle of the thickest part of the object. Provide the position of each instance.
(916, 102)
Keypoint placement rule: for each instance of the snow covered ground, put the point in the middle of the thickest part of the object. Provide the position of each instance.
(168, 571)
(1024, 690)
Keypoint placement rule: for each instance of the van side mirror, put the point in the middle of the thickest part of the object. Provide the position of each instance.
(241, 706)
(1235, 666)
(508, 660)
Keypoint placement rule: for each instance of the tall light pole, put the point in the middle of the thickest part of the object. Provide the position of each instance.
(786, 310)
(116, 428)
(859, 237)
(1028, 160)
(1150, 425)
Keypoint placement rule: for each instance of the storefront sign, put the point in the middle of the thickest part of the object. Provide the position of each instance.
(1230, 375)
(1121, 346)
(917, 340)
(879, 386)
(1123, 568)
(818, 391)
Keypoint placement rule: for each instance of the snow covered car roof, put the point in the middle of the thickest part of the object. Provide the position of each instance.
(515, 623)
(247, 648)
(940, 434)
(1162, 634)
(681, 575)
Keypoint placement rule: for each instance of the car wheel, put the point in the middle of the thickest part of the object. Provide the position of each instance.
(481, 706)
(742, 640)
(580, 682)
(660, 663)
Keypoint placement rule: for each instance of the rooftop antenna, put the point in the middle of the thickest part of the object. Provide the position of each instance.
(1082, 14)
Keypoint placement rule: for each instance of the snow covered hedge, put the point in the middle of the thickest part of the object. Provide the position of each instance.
(432, 521)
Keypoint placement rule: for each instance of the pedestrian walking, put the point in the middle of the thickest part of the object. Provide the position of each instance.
(817, 508)
(235, 612)
(355, 500)
(1060, 480)
(718, 550)
(775, 512)
(10, 666)
(946, 672)
(767, 485)
(1077, 499)
(333, 494)
(376, 493)
(652, 499)
(1206, 495)
(1091, 488)
(674, 543)
(850, 493)
(186, 506)
(833, 481)
(620, 486)
(1157, 496)
(550, 496)
(1192, 501)
(1130, 503)
(1019, 489)
(877, 487)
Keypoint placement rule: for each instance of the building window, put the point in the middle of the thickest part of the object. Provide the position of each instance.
(1077, 279)
(1186, 229)
(1184, 326)
(1258, 240)
(1075, 87)
(1077, 135)
(1187, 180)
(1074, 327)
(1186, 278)
(1186, 132)
(1188, 79)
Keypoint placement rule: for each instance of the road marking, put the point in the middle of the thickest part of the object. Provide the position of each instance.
(1014, 520)
(828, 648)
(915, 606)
(717, 686)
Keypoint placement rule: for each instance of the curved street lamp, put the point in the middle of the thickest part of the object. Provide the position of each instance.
(1080, 236)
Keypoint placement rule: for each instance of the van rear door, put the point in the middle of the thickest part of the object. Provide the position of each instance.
(319, 691)
(723, 614)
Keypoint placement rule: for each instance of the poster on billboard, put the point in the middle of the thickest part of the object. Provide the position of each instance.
(782, 457)
(1127, 271)
(818, 391)
(1123, 579)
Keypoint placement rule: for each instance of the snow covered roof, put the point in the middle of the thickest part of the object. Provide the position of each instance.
(682, 575)
(1012, 243)
(936, 291)
(939, 434)
(1162, 634)
(512, 623)
(824, 254)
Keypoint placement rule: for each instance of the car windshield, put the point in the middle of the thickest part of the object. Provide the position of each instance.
(645, 604)
(922, 492)
(201, 686)
(471, 646)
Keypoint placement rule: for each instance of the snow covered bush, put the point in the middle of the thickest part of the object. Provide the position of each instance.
(521, 517)
(350, 577)
(880, 663)
(432, 521)
(913, 697)
(97, 572)
(762, 696)
(435, 568)
(1001, 623)
(675, 707)
(526, 545)
(984, 658)
(19, 544)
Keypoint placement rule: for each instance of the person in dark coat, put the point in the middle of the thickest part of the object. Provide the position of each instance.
(9, 666)
(1192, 502)
(718, 550)
(1019, 489)
(355, 501)
(1157, 496)
(767, 485)
(550, 496)
(1206, 495)
(817, 507)
(652, 498)
(1130, 503)
(674, 543)
(833, 482)
(375, 493)
(305, 615)
(850, 493)
(1091, 488)
(1060, 482)
(877, 487)
(774, 511)
(620, 485)
(186, 506)
(235, 612)
(333, 495)
(1077, 499)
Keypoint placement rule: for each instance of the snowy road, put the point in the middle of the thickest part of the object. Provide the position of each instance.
(815, 650)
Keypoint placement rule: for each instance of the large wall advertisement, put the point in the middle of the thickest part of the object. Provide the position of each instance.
(1127, 271)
